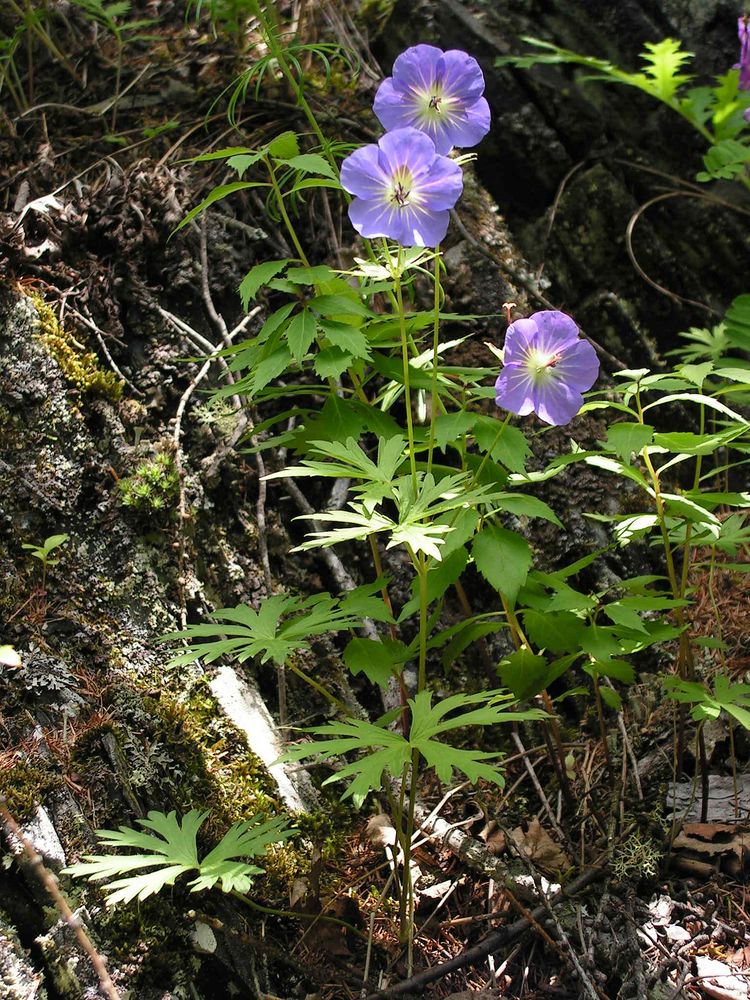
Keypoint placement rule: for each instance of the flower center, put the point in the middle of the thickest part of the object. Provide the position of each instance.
(540, 363)
(434, 104)
(401, 187)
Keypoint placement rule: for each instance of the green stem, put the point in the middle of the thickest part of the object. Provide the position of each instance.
(270, 34)
(34, 26)
(283, 212)
(319, 688)
(406, 367)
(435, 358)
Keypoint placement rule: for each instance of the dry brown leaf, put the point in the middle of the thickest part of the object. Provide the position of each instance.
(539, 847)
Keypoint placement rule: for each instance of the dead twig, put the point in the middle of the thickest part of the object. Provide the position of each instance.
(491, 943)
(36, 864)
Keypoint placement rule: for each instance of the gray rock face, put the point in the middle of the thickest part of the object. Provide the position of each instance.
(19, 980)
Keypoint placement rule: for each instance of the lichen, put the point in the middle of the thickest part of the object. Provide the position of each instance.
(80, 367)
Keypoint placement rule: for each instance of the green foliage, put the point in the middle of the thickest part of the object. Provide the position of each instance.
(172, 850)
(716, 112)
(44, 551)
(282, 626)
(389, 751)
(734, 699)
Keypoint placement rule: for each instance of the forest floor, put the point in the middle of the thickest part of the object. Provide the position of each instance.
(98, 380)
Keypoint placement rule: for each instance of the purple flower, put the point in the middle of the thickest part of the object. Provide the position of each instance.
(743, 30)
(403, 189)
(546, 367)
(439, 93)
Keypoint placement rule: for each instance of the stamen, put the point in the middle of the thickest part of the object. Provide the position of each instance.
(434, 104)
(400, 195)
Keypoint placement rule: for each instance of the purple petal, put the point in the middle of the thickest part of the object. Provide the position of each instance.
(406, 147)
(462, 76)
(375, 217)
(362, 175)
(442, 186)
(471, 126)
(422, 228)
(393, 107)
(578, 367)
(514, 390)
(556, 326)
(517, 339)
(556, 403)
(418, 67)
(408, 225)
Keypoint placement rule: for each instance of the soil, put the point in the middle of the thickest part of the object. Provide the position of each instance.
(110, 435)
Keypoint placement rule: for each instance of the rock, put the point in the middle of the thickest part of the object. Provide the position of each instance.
(19, 980)
(44, 839)
(248, 712)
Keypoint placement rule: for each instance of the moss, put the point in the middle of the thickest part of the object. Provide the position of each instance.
(153, 486)
(24, 787)
(376, 13)
(80, 367)
(147, 938)
(235, 783)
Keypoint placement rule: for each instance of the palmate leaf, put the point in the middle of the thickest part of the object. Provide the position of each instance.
(282, 625)
(734, 699)
(171, 850)
(385, 750)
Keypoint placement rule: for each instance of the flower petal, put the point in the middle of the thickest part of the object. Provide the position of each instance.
(557, 328)
(471, 126)
(462, 76)
(442, 186)
(514, 390)
(518, 337)
(579, 366)
(394, 108)
(406, 147)
(362, 175)
(418, 67)
(375, 217)
(556, 402)
(423, 228)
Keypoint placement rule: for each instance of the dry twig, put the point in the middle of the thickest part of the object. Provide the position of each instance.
(48, 880)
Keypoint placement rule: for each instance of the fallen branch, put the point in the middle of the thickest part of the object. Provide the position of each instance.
(493, 942)
(36, 864)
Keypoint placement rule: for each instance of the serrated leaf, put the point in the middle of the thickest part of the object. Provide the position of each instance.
(449, 427)
(524, 673)
(560, 631)
(241, 162)
(332, 362)
(349, 338)
(386, 750)
(284, 146)
(173, 852)
(258, 276)
(627, 438)
(300, 334)
(309, 163)
(378, 660)
(503, 558)
(519, 503)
